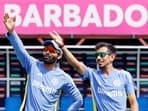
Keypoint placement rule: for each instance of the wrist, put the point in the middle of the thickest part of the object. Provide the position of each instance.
(9, 33)
(61, 46)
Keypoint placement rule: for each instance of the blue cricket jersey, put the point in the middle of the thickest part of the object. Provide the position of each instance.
(44, 85)
(110, 91)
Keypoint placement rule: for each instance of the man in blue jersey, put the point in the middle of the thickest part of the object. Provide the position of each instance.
(110, 86)
(46, 79)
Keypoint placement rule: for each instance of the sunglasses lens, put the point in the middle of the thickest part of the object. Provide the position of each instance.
(101, 54)
(49, 49)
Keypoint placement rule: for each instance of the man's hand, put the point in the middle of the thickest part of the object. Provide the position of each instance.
(57, 38)
(9, 22)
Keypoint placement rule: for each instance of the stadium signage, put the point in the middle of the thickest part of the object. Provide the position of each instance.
(79, 18)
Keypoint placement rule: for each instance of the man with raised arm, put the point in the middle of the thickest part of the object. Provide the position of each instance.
(110, 86)
(46, 79)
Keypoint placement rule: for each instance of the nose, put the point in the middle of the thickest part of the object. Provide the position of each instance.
(46, 52)
(98, 58)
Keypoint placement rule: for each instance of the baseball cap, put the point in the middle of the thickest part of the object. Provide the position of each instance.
(54, 44)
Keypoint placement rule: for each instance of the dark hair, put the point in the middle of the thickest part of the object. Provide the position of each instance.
(110, 47)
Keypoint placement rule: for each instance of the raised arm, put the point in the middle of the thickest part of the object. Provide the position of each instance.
(15, 41)
(79, 66)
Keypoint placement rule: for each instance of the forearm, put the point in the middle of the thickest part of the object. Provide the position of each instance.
(15, 41)
(69, 56)
(17, 44)
(75, 96)
(75, 105)
(73, 61)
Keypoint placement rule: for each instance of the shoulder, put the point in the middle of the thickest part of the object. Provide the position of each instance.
(126, 73)
(34, 60)
(91, 70)
(66, 77)
(123, 73)
(63, 74)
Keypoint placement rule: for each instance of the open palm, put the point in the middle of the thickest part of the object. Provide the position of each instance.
(57, 38)
(9, 22)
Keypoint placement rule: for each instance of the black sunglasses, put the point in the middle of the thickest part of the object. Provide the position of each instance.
(102, 54)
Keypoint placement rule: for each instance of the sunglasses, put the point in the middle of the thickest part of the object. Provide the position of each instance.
(101, 54)
(50, 49)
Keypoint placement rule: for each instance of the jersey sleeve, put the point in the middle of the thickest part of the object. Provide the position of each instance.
(71, 90)
(87, 73)
(129, 83)
(21, 53)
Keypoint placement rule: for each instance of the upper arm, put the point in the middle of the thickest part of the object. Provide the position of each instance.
(133, 101)
(71, 89)
(75, 96)
(132, 98)
(131, 92)
(129, 83)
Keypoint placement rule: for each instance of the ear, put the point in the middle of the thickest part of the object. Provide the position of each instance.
(59, 55)
(113, 56)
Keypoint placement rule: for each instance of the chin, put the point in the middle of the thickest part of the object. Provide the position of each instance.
(46, 62)
(51, 61)
(101, 66)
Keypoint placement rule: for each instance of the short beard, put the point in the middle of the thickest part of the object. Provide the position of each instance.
(51, 61)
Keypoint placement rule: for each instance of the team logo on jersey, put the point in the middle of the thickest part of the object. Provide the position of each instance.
(117, 83)
(55, 81)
